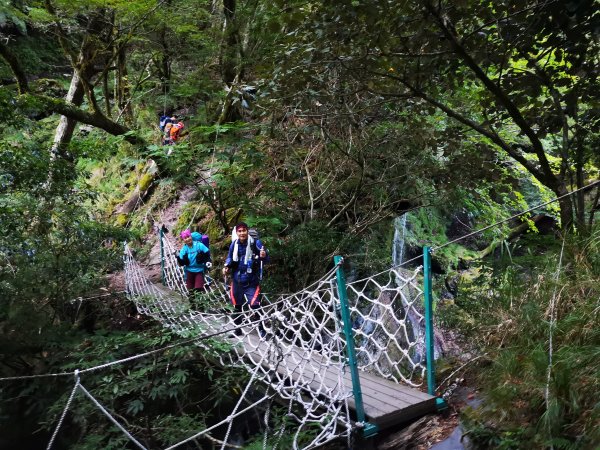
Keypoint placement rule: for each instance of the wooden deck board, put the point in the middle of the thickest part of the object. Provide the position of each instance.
(386, 403)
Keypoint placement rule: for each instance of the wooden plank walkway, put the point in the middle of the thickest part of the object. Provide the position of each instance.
(386, 403)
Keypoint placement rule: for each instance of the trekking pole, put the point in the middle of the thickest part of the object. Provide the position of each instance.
(261, 265)
(225, 280)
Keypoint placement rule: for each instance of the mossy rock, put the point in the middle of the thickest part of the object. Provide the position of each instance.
(213, 230)
(122, 220)
(145, 182)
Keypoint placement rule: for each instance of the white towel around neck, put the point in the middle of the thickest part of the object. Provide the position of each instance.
(248, 255)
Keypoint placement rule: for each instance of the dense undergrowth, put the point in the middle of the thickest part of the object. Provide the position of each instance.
(536, 320)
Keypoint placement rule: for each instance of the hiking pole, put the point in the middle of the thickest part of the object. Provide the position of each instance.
(261, 265)
(225, 279)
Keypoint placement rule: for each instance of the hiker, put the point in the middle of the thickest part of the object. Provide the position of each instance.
(167, 129)
(174, 131)
(195, 256)
(203, 238)
(244, 263)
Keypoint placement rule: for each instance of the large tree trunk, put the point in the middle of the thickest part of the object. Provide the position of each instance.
(230, 47)
(85, 67)
(106, 93)
(580, 182)
(566, 207)
(231, 61)
(164, 63)
(16, 68)
(66, 126)
(123, 87)
(141, 190)
(594, 208)
(110, 43)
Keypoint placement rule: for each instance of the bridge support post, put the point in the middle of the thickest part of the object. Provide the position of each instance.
(369, 429)
(162, 256)
(429, 336)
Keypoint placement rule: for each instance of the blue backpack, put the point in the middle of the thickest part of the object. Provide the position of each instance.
(201, 238)
(163, 121)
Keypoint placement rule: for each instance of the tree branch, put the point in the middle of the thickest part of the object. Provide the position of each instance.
(495, 138)
(96, 119)
(449, 32)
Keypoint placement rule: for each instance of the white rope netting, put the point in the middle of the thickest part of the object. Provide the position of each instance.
(300, 355)
(389, 325)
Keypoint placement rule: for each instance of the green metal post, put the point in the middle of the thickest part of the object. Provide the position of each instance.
(369, 429)
(429, 339)
(162, 257)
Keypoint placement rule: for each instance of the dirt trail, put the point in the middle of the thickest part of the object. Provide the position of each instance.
(168, 217)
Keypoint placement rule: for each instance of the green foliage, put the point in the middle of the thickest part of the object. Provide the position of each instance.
(9, 15)
(482, 75)
(348, 127)
(302, 256)
(52, 252)
(519, 318)
(39, 55)
(279, 438)
(154, 395)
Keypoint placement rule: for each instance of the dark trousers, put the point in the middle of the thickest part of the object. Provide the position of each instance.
(245, 298)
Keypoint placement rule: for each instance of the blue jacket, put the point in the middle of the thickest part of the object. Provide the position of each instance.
(241, 272)
(198, 254)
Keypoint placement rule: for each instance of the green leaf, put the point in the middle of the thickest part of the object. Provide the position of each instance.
(135, 407)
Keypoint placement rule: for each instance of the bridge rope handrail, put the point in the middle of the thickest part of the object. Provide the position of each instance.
(282, 314)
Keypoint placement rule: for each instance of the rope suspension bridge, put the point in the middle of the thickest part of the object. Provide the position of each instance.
(344, 357)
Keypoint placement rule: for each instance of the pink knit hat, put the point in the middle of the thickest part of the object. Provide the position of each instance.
(185, 234)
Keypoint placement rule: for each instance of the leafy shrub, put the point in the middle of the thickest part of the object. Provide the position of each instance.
(542, 340)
